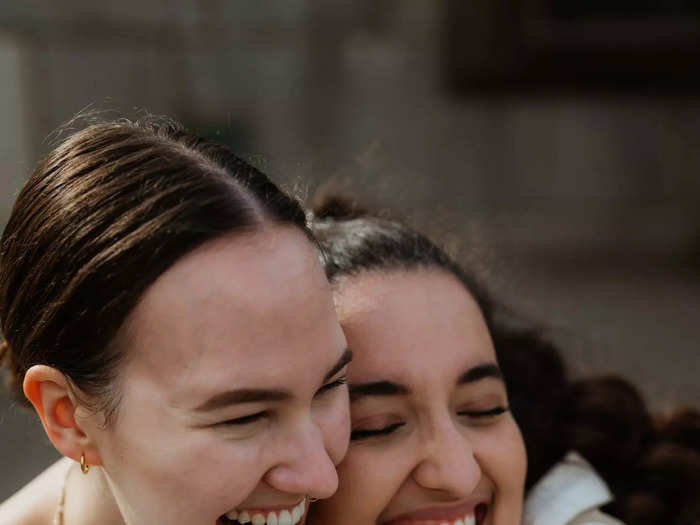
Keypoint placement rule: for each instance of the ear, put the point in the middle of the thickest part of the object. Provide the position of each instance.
(55, 403)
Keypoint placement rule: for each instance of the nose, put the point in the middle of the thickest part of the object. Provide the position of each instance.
(304, 468)
(446, 460)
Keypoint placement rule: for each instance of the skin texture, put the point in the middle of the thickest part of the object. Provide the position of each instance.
(422, 329)
(249, 311)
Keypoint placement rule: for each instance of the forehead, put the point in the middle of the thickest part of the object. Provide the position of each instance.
(236, 312)
(411, 325)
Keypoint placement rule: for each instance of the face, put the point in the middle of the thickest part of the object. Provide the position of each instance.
(233, 396)
(432, 441)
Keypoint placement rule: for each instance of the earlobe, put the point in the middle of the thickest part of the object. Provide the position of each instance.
(50, 393)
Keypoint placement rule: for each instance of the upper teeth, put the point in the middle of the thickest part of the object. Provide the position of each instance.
(468, 520)
(277, 517)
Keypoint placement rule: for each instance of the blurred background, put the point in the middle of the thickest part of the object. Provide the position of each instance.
(556, 141)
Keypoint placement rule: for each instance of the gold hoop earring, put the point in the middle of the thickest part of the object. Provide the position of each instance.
(84, 467)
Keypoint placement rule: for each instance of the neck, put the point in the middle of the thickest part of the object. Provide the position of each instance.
(89, 499)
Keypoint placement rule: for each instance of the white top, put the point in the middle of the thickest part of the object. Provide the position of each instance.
(569, 494)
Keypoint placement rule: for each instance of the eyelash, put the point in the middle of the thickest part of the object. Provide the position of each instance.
(357, 435)
(245, 420)
(496, 411)
(363, 434)
(333, 384)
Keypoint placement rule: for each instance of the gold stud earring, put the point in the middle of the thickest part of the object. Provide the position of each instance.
(84, 467)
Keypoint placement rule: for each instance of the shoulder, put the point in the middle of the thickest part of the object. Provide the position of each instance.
(37, 501)
(571, 493)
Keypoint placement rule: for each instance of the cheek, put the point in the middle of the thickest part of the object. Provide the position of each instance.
(370, 478)
(180, 475)
(501, 455)
(334, 422)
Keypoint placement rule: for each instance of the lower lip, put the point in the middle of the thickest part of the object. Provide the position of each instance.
(480, 513)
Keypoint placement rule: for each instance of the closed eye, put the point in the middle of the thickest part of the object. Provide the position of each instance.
(364, 434)
(245, 420)
(484, 413)
(333, 384)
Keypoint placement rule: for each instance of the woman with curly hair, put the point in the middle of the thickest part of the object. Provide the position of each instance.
(449, 403)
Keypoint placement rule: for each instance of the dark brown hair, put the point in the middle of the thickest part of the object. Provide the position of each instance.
(651, 465)
(102, 216)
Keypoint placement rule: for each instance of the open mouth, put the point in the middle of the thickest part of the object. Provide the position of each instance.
(475, 516)
(289, 516)
(478, 517)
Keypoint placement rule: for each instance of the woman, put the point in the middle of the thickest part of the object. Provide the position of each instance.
(166, 315)
(436, 388)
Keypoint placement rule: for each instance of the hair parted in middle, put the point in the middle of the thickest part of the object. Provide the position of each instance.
(102, 216)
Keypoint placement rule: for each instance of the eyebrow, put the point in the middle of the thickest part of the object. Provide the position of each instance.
(391, 388)
(243, 395)
(257, 395)
(480, 372)
(377, 388)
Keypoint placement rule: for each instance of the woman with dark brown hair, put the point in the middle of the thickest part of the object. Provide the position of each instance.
(165, 313)
(442, 387)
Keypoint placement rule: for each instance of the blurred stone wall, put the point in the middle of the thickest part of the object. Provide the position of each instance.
(582, 207)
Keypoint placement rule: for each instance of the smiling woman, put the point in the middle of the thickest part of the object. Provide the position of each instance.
(433, 408)
(166, 315)
(442, 442)
(429, 405)
(439, 381)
